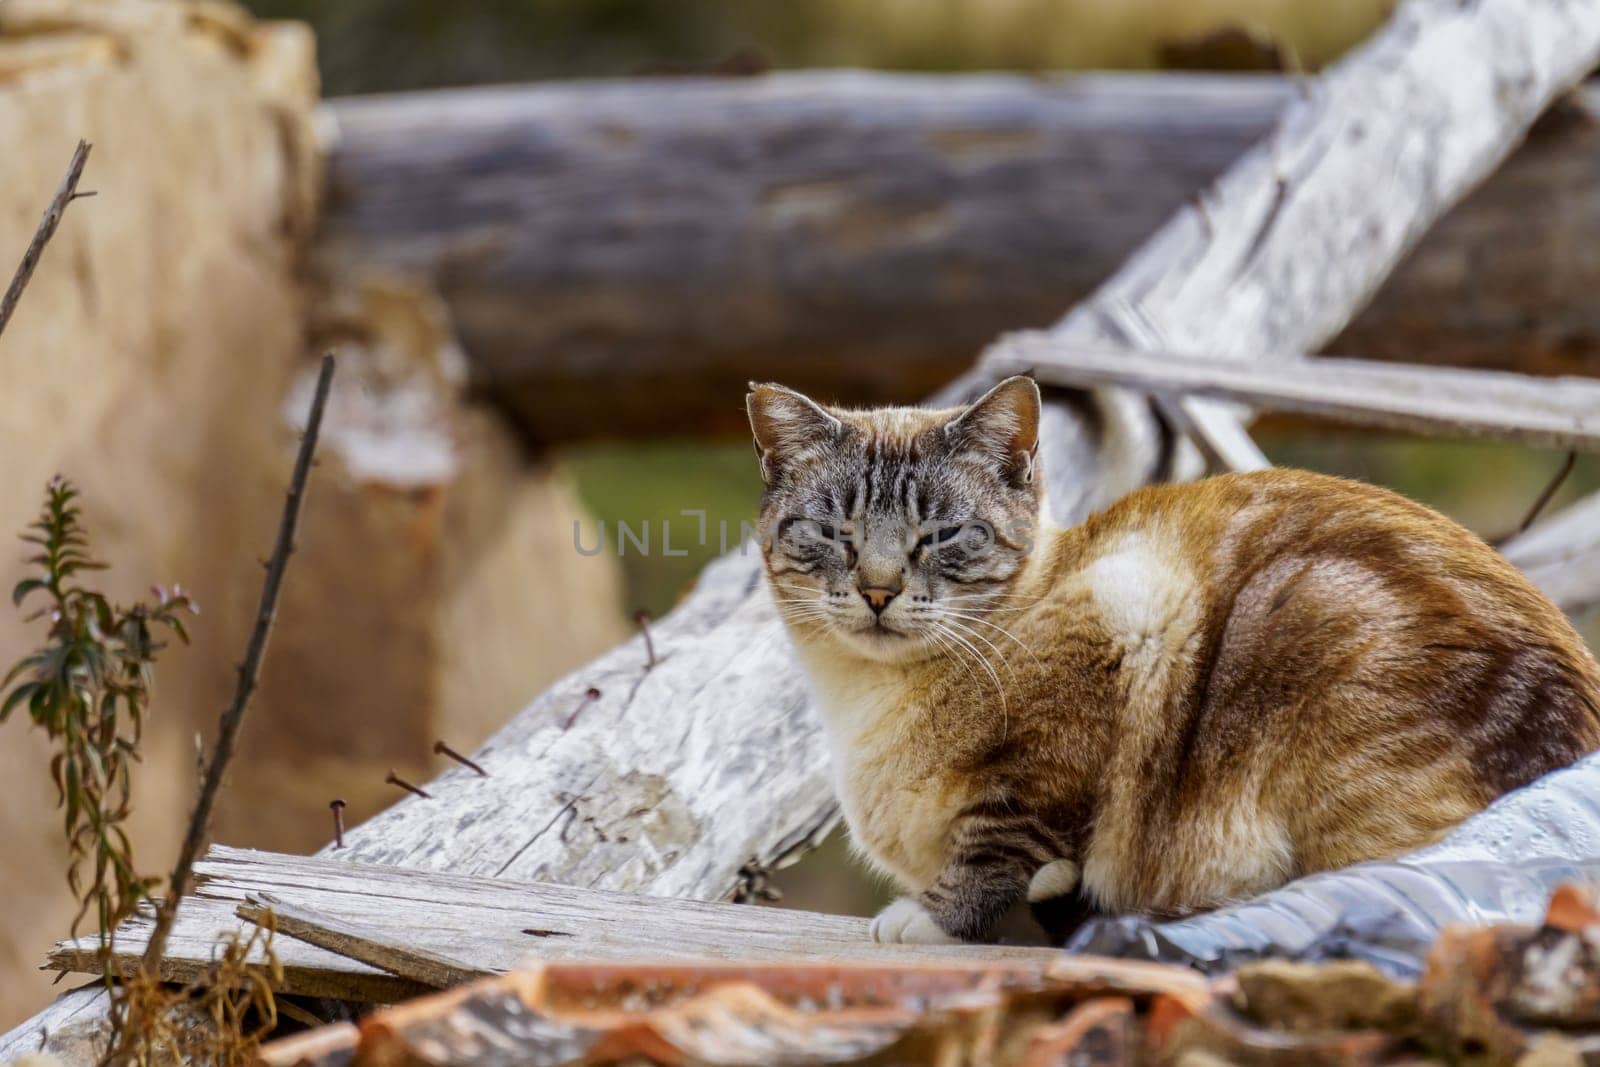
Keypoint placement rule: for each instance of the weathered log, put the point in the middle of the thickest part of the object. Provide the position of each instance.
(620, 258)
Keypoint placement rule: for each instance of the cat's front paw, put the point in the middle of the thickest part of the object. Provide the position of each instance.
(906, 922)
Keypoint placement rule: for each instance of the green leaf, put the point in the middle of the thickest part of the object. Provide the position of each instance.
(91, 756)
(20, 591)
(17, 696)
(72, 793)
(17, 669)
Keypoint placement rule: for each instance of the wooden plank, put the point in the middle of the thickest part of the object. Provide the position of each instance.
(356, 942)
(1559, 413)
(1216, 430)
(380, 933)
(202, 922)
(72, 1030)
(862, 234)
(1562, 555)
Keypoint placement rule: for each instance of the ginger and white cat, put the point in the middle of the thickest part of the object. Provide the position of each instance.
(1195, 695)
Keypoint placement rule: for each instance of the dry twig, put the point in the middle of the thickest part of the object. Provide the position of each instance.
(249, 670)
(1551, 488)
(47, 228)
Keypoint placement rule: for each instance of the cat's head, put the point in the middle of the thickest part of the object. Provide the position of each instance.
(895, 531)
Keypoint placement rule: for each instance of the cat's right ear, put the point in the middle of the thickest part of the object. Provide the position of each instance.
(1004, 425)
(788, 427)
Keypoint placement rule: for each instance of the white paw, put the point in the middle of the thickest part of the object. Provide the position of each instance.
(905, 922)
(1058, 878)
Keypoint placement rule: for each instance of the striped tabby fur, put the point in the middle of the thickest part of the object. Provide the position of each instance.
(1194, 696)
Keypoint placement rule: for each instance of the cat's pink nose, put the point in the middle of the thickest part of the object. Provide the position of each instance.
(877, 597)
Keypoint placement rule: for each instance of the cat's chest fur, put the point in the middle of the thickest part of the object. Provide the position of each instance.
(898, 796)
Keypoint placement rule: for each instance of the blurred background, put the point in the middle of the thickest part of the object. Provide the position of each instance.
(385, 45)
(438, 589)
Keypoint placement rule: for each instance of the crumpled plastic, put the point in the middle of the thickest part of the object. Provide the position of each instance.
(1500, 866)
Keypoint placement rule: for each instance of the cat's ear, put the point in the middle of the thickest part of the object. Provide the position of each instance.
(1003, 424)
(788, 427)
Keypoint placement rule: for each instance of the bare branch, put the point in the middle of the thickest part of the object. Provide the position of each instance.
(1543, 501)
(47, 229)
(249, 671)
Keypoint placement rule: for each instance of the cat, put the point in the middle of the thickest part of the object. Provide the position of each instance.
(1196, 695)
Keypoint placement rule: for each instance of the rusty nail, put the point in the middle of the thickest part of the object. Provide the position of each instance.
(590, 695)
(395, 779)
(338, 822)
(442, 749)
(642, 617)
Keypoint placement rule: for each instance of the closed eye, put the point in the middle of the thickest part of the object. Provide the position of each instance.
(940, 536)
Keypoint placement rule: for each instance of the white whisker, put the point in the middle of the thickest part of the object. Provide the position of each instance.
(1000, 691)
(971, 633)
(996, 627)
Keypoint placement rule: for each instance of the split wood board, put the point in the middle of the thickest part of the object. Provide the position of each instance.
(416, 921)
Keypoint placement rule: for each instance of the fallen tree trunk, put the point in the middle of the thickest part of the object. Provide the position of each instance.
(620, 258)
(698, 766)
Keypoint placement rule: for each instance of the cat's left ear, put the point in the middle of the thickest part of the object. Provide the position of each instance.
(1003, 424)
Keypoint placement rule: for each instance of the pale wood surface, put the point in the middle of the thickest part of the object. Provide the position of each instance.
(427, 929)
(1559, 413)
(864, 234)
(372, 945)
(72, 1029)
(202, 921)
(1562, 555)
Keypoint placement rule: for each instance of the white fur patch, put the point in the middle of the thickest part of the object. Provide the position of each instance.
(906, 922)
(1140, 593)
(1058, 878)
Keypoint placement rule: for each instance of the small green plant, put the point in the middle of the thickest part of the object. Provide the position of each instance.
(88, 688)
